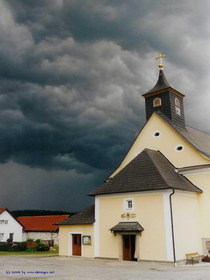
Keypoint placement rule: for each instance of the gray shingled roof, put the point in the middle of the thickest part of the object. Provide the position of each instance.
(127, 227)
(149, 171)
(85, 217)
(198, 139)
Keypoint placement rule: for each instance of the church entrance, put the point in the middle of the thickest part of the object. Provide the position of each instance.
(76, 244)
(129, 247)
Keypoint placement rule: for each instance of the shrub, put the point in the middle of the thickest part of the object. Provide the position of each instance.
(30, 248)
(4, 246)
(29, 240)
(17, 247)
(42, 247)
(32, 243)
(21, 246)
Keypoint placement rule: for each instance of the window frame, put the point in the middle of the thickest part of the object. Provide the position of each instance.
(157, 104)
(3, 222)
(178, 110)
(1, 235)
(126, 204)
(177, 102)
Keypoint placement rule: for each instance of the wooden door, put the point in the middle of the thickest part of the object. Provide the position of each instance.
(129, 245)
(76, 244)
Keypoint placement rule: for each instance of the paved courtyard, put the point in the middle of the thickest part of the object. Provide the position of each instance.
(63, 268)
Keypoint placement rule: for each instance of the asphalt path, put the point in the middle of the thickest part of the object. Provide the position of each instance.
(73, 268)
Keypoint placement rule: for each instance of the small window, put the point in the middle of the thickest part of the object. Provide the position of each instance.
(156, 134)
(179, 148)
(11, 236)
(177, 102)
(157, 102)
(178, 110)
(128, 204)
(3, 222)
(207, 244)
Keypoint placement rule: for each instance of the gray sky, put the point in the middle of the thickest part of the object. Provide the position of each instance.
(71, 78)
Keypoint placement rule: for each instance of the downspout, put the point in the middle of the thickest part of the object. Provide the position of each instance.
(172, 227)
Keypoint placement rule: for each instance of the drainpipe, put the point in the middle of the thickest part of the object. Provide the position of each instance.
(172, 227)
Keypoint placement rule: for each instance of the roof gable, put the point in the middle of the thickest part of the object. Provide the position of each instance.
(148, 171)
(199, 141)
(6, 213)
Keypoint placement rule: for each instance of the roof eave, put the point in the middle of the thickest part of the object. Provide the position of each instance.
(76, 224)
(156, 92)
(159, 189)
(28, 230)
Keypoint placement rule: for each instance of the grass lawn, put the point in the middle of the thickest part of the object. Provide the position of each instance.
(5, 253)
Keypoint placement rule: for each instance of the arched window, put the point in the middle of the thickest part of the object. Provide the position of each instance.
(157, 102)
(177, 102)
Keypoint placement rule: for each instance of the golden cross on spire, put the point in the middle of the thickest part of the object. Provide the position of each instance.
(160, 57)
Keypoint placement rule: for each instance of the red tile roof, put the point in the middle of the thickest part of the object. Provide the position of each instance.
(41, 223)
(2, 210)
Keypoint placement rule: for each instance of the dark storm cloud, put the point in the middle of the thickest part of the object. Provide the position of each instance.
(72, 74)
(61, 190)
(65, 126)
(63, 102)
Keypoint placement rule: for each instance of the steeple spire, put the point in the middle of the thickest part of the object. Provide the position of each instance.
(161, 84)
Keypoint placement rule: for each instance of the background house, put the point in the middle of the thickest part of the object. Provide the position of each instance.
(10, 228)
(42, 227)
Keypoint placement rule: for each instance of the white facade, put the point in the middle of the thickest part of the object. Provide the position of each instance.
(45, 236)
(9, 226)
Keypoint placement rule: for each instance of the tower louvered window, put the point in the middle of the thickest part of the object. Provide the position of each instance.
(157, 102)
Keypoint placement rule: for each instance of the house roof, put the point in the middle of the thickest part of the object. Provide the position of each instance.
(41, 223)
(148, 171)
(127, 227)
(86, 216)
(2, 210)
(198, 139)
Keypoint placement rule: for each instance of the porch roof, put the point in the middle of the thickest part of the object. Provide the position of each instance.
(127, 227)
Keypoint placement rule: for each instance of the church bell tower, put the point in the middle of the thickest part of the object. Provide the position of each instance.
(165, 99)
